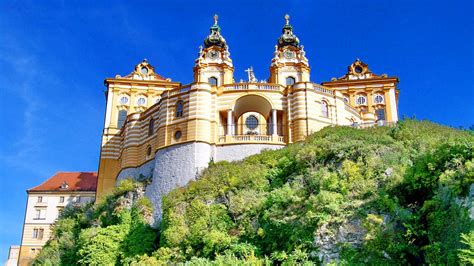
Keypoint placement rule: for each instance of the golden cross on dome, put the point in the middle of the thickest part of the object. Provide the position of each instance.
(287, 18)
(215, 19)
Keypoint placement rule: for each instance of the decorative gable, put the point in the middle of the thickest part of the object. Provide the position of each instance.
(144, 71)
(359, 70)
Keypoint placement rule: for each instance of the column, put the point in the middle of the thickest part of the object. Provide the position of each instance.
(393, 105)
(229, 123)
(274, 121)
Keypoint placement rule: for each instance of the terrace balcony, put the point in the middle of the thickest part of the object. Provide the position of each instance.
(258, 133)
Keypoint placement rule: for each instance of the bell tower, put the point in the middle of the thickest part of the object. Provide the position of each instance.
(213, 64)
(289, 63)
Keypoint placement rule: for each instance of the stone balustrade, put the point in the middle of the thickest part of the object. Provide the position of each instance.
(253, 86)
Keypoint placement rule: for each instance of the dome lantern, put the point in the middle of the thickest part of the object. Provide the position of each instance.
(215, 38)
(287, 37)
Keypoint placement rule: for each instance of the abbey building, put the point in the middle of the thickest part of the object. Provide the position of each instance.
(167, 132)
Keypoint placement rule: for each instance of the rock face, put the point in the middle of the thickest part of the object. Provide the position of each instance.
(328, 239)
(468, 202)
(127, 200)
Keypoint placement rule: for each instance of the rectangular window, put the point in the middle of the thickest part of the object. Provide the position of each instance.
(61, 199)
(40, 233)
(380, 114)
(35, 233)
(77, 199)
(122, 116)
(40, 199)
(40, 214)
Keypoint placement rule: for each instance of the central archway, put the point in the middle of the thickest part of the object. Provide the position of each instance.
(252, 103)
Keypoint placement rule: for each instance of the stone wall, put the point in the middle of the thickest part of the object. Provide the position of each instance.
(175, 166)
(239, 152)
(145, 170)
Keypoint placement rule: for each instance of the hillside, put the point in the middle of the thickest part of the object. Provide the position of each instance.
(383, 195)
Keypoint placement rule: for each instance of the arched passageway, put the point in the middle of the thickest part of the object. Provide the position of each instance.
(252, 117)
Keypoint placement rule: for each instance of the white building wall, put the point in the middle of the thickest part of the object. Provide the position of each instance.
(13, 255)
(145, 170)
(49, 208)
(51, 204)
(239, 152)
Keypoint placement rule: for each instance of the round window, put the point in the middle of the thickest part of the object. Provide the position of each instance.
(251, 122)
(141, 101)
(361, 100)
(123, 100)
(144, 70)
(358, 69)
(378, 98)
(177, 135)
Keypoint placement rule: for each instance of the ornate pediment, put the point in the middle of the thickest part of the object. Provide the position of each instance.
(144, 71)
(359, 70)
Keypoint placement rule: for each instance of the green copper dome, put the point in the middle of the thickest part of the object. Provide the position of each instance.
(287, 37)
(215, 38)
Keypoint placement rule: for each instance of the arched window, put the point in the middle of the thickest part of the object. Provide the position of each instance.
(324, 109)
(212, 81)
(179, 109)
(290, 81)
(361, 100)
(151, 127)
(380, 113)
(122, 116)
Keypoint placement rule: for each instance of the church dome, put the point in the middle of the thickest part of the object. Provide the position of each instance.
(287, 37)
(215, 38)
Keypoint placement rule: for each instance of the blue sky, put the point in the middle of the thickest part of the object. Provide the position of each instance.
(54, 57)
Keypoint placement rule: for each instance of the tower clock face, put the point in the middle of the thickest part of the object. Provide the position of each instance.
(213, 54)
(288, 54)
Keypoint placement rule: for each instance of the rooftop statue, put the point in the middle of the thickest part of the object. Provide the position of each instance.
(251, 75)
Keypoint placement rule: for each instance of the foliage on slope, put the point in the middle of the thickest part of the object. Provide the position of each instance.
(111, 232)
(407, 185)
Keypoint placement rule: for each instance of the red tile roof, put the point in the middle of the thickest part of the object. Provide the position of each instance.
(73, 181)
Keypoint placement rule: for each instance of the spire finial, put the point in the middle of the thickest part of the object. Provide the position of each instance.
(287, 18)
(215, 19)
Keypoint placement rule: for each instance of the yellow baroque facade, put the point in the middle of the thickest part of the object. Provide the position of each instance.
(167, 132)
